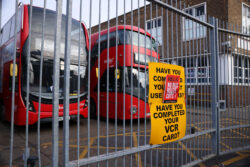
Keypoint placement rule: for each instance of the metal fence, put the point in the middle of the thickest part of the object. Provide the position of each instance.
(217, 71)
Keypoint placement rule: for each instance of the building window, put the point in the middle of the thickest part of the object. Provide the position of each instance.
(245, 19)
(240, 69)
(203, 69)
(196, 69)
(154, 27)
(190, 70)
(191, 29)
(247, 70)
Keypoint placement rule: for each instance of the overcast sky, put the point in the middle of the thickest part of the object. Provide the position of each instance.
(8, 8)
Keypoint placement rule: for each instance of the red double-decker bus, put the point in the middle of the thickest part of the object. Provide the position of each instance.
(137, 45)
(35, 35)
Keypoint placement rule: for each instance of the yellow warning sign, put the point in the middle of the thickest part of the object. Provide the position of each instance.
(167, 102)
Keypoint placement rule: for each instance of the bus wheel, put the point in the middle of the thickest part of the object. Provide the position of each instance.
(92, 109)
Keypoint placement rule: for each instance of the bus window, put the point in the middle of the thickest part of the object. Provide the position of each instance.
(141, 41)
(103, 81)
(6, 32)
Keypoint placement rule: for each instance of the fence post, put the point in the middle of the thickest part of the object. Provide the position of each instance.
(214, 86)
(56, 73)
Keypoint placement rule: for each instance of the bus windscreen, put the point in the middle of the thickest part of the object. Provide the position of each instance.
(48, 55)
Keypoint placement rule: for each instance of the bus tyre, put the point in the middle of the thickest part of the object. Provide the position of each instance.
(92, 109)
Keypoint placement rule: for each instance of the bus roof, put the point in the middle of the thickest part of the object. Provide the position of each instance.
(94, 36)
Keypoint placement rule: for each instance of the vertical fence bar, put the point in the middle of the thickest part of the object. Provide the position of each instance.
(98, 84)
(116, 64)
(89, 69)
(204, 87)
(246, 81)
(232, 27)
(177, 56)
(131, 83)
(214, 91)
(239, 85)
(229, 26)
(172, 58)
(196, 101)
(145, 95)
(190, 99)
(186, 65)
(194, 66)
(219, 66)
(207, 90)
(240, 82)
(138, 83)
(244, 87)
(26, 152)
(13, 82)
(229, 73)
(208, 87)
(247, 114)
(56, 73)
(223, 56)
(199, 64)
(162, 58)
(79, 82)
(107, 119)
(234, 81)
(40, 85)
(66, 82)
(151, 6)
(156, 38)
(124, 83)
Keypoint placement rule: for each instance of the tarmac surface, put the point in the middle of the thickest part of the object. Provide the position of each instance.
(125, 135)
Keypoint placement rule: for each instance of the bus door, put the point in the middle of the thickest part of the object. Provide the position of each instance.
(103, 94)
(113, 75)
(7, 67)
(7, 87)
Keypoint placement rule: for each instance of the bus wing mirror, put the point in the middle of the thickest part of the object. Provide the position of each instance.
(11, 69)
(96, 71)
(117, 73)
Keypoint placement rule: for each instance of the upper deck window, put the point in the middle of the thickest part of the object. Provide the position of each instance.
(137, 39)
(36, 36)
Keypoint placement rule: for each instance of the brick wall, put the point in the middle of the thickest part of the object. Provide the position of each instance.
(235, 11)
(172, 34)
(224, 10)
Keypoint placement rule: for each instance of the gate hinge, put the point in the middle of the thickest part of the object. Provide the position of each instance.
(221, 105)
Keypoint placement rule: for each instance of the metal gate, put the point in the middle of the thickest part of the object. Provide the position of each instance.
(116, 127)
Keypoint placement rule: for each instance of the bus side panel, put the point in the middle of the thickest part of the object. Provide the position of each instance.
(120, 108)
(141, 106)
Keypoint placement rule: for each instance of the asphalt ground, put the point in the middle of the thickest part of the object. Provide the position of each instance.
(132, 134)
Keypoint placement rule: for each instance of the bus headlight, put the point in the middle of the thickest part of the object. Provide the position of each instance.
(31, 107)
(134, 110)
(85, 104)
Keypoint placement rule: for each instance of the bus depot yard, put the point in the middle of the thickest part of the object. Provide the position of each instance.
(129, 134)
(117, 93)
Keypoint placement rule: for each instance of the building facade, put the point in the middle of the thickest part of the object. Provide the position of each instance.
(187, 43)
